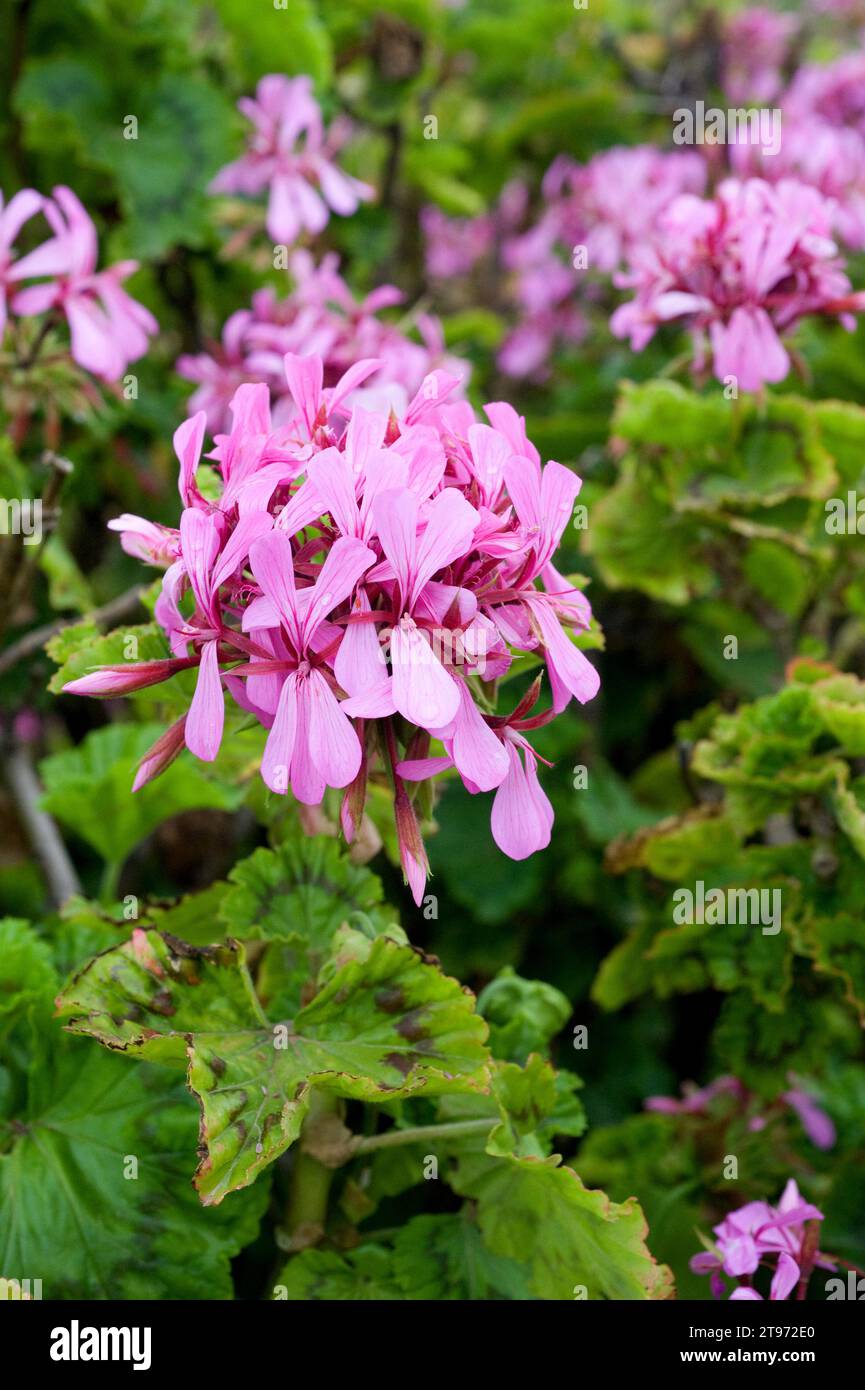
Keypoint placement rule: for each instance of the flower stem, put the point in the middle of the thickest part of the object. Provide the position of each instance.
(109, 883)
(420, 1133)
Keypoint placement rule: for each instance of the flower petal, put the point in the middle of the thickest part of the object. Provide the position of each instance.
(279, 749)
(423, 691)
(333, 743)
(206, 717)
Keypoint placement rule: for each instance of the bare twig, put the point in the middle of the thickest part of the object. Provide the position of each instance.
(44, 836)
(33, 641)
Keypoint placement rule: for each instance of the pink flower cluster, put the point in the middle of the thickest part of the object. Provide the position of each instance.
(738, 270)
(537, 284)
(612, 204)
(290, 156)
(319, 316)
(454, 245)
(609, 206)
(822, 142)
(108, 329)
(543, 285)
(701, 1102)
(358, 566)
(756, 1234)
(757, 42)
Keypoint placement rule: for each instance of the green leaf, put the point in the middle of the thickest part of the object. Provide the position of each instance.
(26, 969)
(84, 928)
(443, 1257)
(524, 1015)
(640, 542)
(67, 587)
(655, 1155)
(88, 789)
(74, 1210)
(526, 1096)
(362, 1275)
(382, 1028)
(163, 180)
(536, 1211)
(194, 918)
(305, 889)
(59, 98)
(297, 897)
(293, 39)
(149, 995)
(665, 413)
(606, 806)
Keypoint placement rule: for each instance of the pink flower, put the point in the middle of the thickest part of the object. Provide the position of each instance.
(612, 204)
(496, 756)
(829, 158)
(592, 217)
(696, 1101)
(146, 540)
(757, 1232)
(290, 156)
(834, 92)
(320, 317)
(18, 210)
(454, 245)
(701, 1102)
(742, 268)
(108, 328)
(815, 1122)
(416, 548)
(756, 44)
(784, 1281)
(312, 743)
(357, 564)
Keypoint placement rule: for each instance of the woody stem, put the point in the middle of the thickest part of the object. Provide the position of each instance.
(306, 1213)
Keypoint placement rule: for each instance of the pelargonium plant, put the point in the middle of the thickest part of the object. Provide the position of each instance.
(108, 328)
(291, 157)
(758, 1233)
(606, 207)
(320, 315)
(359, 586)
(700, 1102)
(738, 271)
